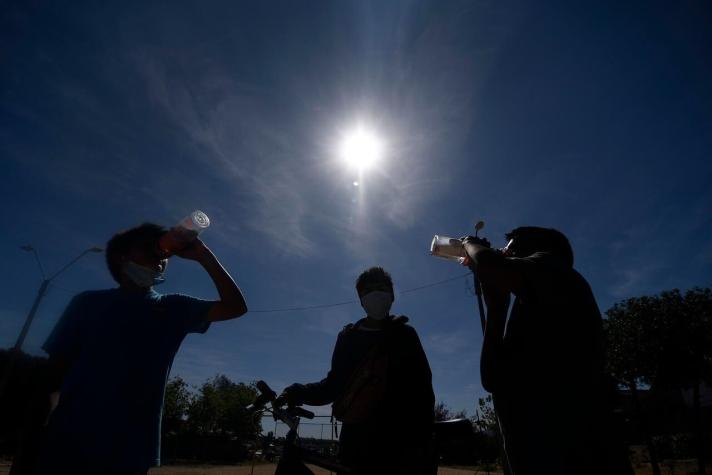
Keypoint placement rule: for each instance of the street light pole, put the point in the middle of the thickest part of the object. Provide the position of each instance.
(30, 316)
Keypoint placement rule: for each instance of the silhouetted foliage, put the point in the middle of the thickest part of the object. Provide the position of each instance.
(478, 447)
(485, 419)
(210, 423)
(443, 413)
(661, 341)
(220, 408)
(176, 406)
(664, 342)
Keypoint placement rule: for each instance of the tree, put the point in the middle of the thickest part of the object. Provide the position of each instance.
(633, 332)
(210, 423)
(443, 413)
(176, 405)
(686, 357)
(485, 419)
(663, 341)
(219, 408)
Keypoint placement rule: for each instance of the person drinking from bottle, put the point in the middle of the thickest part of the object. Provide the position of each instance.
(546, 371)
(380, 385)
(112, 351)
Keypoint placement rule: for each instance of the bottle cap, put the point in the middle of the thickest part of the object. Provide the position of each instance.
(197, 221)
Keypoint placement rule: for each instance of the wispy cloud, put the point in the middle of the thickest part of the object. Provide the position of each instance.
(236, 139)
(331, 321)
(629, 281)
(240, 131)
(449, 343)
(645, 258)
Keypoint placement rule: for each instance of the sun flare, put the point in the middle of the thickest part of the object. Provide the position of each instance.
(361, 148)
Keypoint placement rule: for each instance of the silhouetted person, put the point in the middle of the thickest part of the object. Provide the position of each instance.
(546, 370)
(386, 427)
(112, 351)
(31, 407)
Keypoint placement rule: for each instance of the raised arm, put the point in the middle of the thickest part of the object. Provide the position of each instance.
(499, 279)
(232, 303)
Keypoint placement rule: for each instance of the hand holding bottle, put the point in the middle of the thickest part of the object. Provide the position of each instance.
(182, 235)
(196, 250)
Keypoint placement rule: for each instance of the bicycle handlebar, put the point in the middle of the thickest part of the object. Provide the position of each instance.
(301, 412)
(268, 395)
(266, 391)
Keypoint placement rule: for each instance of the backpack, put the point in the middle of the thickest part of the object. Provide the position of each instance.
(365, 389)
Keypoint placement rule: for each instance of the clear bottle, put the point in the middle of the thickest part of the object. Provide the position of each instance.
(448, 248)
(183, 233)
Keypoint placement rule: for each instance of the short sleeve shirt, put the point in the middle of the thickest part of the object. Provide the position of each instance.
(120, 347)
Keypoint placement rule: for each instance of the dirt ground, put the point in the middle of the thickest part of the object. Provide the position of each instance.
(245, 470)
(681, 468)
(269, 470)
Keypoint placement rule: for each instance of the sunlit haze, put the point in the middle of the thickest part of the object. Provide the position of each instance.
(361, 148)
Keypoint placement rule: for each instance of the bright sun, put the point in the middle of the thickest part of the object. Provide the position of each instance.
(361, 148)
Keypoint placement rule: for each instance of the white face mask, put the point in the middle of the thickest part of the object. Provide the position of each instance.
(377, 304)
(143, 276)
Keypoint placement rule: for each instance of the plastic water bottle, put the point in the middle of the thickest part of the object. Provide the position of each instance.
(182, 234)
(448, 248)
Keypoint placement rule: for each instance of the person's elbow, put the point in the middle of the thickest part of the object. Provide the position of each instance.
(491, 370)
(490, 381)
(237, 309)
(222, 311)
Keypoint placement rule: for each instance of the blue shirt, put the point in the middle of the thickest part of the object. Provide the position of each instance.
(120, 347)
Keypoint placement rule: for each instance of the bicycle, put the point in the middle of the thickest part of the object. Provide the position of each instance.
(294, 457)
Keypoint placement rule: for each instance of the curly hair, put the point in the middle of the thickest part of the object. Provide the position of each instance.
(371, 276)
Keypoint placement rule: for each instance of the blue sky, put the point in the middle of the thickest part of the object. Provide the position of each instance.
(595, 119)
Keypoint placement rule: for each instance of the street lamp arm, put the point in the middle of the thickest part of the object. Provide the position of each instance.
(34, 252)
(69, 264)
(39, 263)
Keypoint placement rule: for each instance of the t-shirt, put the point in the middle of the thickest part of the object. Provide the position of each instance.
(120, 347)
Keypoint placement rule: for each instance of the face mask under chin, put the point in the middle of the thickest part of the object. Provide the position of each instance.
(377, 304)
(142, 276)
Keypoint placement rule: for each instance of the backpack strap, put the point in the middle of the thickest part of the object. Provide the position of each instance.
(347, 329)
(400, 320)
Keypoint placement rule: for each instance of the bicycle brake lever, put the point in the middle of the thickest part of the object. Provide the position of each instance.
(265, 391)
